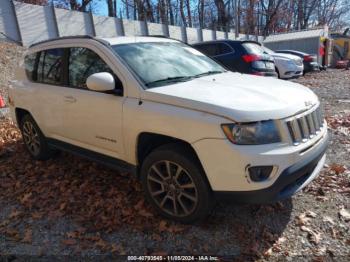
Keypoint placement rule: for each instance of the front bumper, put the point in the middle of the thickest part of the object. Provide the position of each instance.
(225, 164)
(291, 180)
(311, 66)
(291, 71)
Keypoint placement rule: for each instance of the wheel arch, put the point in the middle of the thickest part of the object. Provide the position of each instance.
(147, 142)
(20, 113)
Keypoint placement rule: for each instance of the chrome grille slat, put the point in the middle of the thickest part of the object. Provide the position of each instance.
(310, 124)
(305, 127)
(296, 130)
(315, 121)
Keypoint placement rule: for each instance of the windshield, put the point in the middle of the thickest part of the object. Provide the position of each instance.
(163, 63)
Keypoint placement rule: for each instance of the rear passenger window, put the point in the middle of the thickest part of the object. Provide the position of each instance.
(82, 63)
(50, 66)
(29, 66)
(208, 49)
(224, 49)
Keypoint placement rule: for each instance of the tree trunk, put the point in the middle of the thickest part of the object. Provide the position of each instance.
(188, 7)
(183, 17)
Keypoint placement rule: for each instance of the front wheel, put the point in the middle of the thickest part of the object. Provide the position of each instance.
(175, 185)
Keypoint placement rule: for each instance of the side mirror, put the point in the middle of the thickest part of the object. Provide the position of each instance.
(101, 82)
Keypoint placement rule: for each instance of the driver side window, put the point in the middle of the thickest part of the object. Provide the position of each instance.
(84, 62)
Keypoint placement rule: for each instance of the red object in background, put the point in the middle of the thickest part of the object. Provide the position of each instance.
(342, 64)
(322, 51)
(250, 58)
(2, 102)
(308, 58)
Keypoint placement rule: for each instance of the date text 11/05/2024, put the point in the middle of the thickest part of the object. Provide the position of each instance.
(173, 258)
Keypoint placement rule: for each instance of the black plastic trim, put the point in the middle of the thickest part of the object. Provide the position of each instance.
(69, 37)
(108, 161)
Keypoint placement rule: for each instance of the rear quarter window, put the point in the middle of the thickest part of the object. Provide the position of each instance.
(208, 49)
(29, 66)
(253, 49)
(224, 49)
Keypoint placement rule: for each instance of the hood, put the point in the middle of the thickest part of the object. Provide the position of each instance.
(239, 97)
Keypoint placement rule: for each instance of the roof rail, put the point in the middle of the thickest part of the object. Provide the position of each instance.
(70, 37)
(161, 36)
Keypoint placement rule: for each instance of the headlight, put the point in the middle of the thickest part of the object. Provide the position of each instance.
(257, 133)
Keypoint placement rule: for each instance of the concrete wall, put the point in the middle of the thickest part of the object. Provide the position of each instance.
(32, 23)
(8, 22)
(108, 26)
(44, 26)
(307, 45)
(74, 23)
(177, 32)
(28, 24)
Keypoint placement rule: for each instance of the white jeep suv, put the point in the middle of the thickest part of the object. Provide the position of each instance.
(189, 129)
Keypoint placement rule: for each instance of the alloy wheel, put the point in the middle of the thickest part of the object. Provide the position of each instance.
(31, 138)
(172, 188)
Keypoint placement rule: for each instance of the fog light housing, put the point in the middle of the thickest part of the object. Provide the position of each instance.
(259, 173)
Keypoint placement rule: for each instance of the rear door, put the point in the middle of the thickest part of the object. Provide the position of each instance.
(47, 110)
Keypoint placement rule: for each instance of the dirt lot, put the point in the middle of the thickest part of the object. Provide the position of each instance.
(71, 206)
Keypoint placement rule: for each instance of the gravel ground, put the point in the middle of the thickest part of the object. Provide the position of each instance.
(10, 55)
(71, 206)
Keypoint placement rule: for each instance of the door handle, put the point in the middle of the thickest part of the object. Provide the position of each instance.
(70, 99)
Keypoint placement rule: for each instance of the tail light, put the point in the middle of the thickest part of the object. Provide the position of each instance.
(250, 58)
(308, 58)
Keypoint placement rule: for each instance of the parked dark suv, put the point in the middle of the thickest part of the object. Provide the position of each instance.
(241, 56)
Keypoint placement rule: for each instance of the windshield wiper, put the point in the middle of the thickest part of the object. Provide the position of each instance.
(209, 73)
(170, 79)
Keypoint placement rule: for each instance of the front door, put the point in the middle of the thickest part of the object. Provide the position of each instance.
(93, 120)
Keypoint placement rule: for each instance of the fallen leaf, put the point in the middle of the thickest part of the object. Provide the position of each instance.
(159, 253)
(25, 198)
(27, 236)
(69, 242)
(102, 244)
(328, 220)
(344, 214)
(15, 213)
(314, 237)
(73, 234)
(37, 215)
(13, 233)
(162, 226)
(303, 220)
(310, 214)
(268, 252)
(338, 169)
(145, 213)
(63, 206)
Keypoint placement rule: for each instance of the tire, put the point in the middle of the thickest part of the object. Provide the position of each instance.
(278, 73)
(185, 195)
(34, 139)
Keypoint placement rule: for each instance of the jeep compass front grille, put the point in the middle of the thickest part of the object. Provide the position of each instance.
(305, 127)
